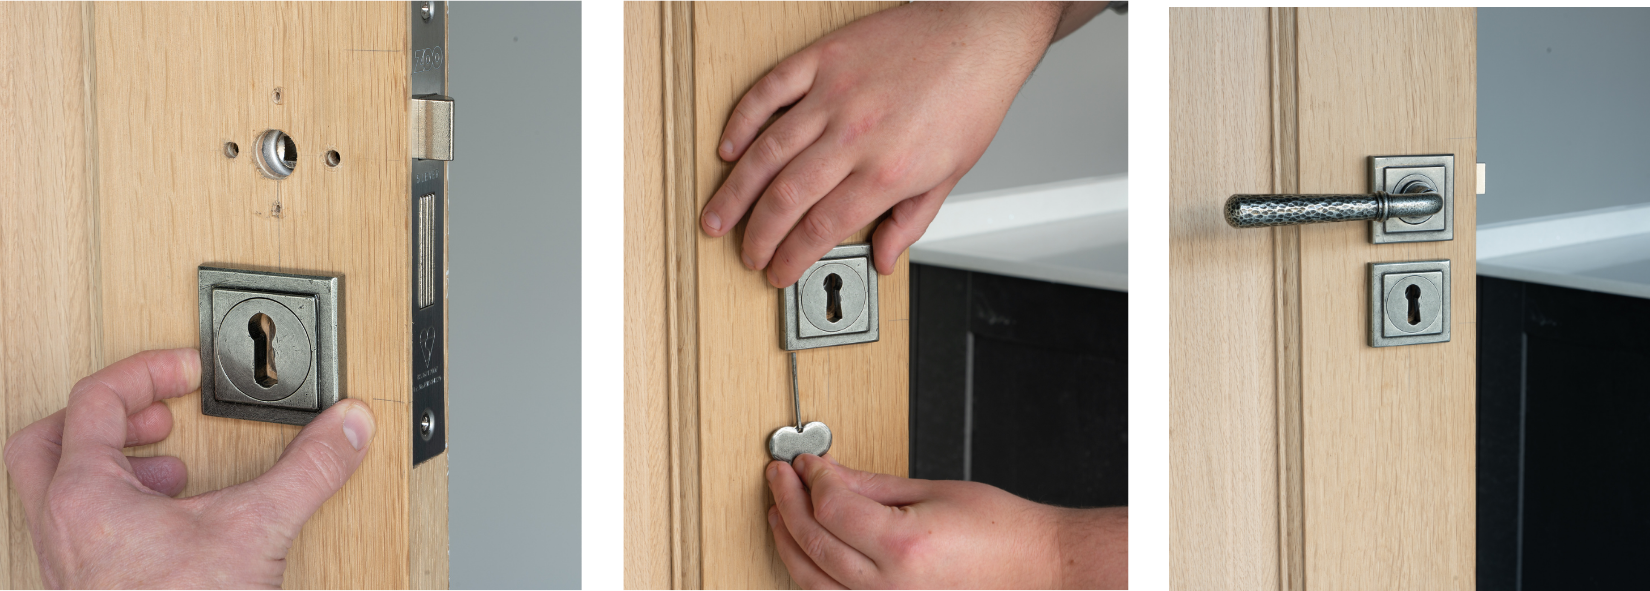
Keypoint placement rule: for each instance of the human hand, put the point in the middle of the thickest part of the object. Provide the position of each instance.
(886, 115)
(101, 519)
(835, 527)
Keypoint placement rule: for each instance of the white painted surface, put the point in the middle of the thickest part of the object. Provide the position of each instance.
(1605, 250)
(1074, 232)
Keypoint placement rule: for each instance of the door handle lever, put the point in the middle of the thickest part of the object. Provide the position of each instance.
(1419, 199)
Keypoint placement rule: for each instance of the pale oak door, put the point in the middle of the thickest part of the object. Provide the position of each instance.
(120, 182)
(1301, 456)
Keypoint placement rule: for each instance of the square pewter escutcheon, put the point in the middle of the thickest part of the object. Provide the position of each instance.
(327, 372)
(1377, 295)
(304, 308)
(791, 335)
(1385, 172)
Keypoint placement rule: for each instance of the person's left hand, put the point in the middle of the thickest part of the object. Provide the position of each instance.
(885, 115)
(836, 526)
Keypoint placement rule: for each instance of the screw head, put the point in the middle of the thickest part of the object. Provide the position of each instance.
(427, 11)
(426, 425)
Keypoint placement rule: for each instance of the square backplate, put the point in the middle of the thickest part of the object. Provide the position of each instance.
(1382, 278)
(217, 289)
(1391, 173)
(798, 333)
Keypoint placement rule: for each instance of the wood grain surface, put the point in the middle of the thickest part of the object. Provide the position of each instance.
(1223, 450)
(1389, 454)
(648, 517)
(125, 190)
(48, 314)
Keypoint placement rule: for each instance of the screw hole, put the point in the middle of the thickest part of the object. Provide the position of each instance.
(333, 158)
(276, 96)
(231, 149)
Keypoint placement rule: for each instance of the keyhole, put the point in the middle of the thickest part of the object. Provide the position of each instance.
(1414, 294)
(833, 298)
(262, 330)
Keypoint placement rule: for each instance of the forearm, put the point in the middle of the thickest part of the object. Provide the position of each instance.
(1094, 548)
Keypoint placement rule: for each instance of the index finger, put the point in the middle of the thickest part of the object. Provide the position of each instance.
(95, 422)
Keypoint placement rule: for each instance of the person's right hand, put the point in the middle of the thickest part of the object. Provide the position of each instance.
(836, 527)
(101, 519)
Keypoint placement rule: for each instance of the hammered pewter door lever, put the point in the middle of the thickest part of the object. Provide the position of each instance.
(1410, 200)
(1257, 211)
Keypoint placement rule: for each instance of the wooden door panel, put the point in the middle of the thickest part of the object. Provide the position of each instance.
(1389, 433)
(1301, 456)
(722, 383)
(164, 87)
(1224, 491)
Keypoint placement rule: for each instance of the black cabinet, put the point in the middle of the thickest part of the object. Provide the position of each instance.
(1563, 437)
(1020, 384)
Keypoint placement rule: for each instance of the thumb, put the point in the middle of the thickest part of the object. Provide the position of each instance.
(314, 466)
(886, 489)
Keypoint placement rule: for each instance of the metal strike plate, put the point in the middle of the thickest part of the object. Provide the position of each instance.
(1394, 174)
(1409, 303)
(834, 303)
(282, 367)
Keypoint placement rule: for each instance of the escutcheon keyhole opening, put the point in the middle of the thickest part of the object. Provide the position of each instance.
(262, 331)
(833, 298)
(1414, 294)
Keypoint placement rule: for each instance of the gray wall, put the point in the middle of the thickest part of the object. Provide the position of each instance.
(1563, 110)
(514, 295)
(1070, 120)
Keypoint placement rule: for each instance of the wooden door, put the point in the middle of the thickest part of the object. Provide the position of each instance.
(118, 187)
(1301, 457)
(706, 379)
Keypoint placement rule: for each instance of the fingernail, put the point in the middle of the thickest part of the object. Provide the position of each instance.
(748, 264)
(713, 221)
(358, 426)
(727, 148)
(773, 470)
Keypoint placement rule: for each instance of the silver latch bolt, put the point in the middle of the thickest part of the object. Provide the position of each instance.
(430, 128)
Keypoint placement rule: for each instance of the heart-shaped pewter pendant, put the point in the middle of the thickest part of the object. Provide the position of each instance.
(788, 442)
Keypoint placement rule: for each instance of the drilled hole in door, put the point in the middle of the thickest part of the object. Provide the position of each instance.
(262, 330)
(833, 298)
(1413, 293)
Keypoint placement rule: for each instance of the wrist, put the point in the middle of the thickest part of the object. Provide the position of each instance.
(1032, 23)
(1093, 548)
